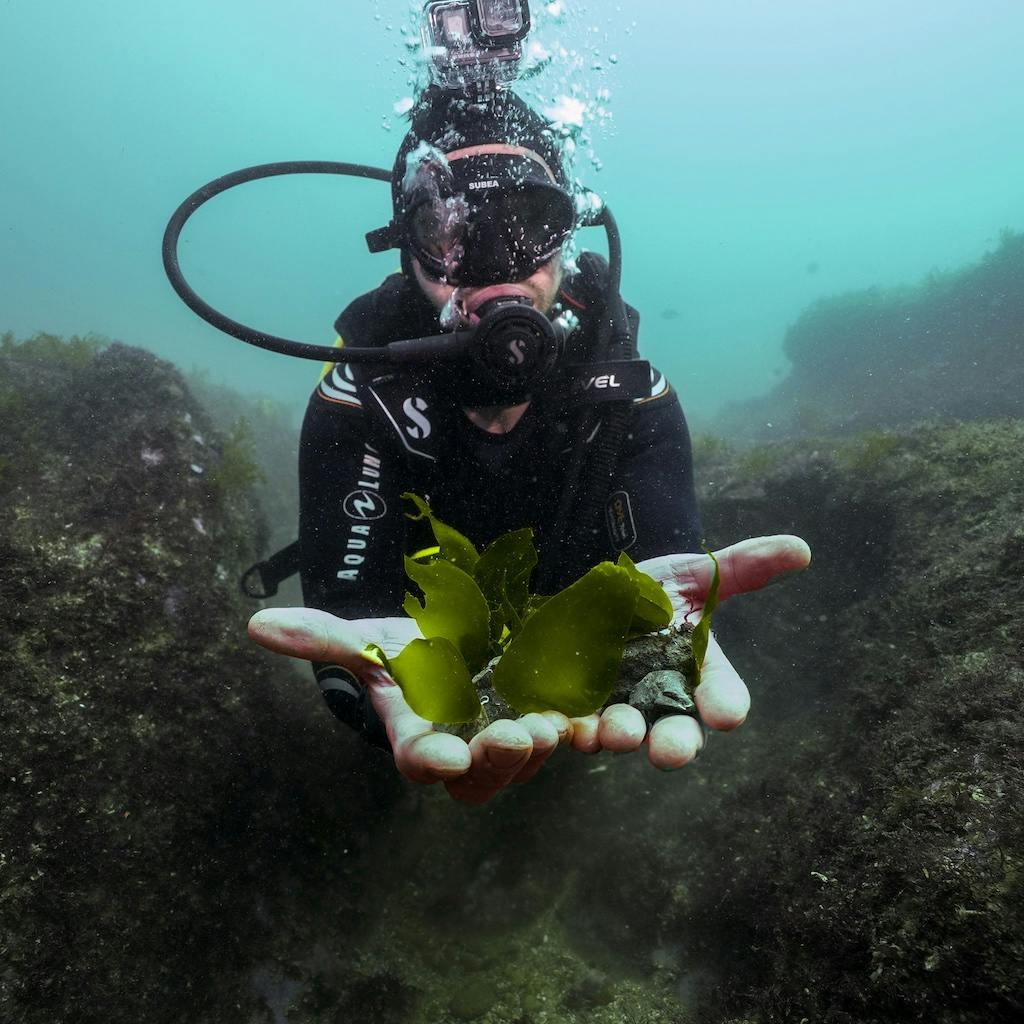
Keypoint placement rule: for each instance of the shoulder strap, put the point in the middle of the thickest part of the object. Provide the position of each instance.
(404, 407)
(391, 312)
(410, 416)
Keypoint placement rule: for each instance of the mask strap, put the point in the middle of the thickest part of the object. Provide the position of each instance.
(383, 238)
(502, 149)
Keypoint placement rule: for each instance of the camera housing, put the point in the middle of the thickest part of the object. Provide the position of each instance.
(474, 42)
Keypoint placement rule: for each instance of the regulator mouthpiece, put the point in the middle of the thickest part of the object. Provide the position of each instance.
(514, 347)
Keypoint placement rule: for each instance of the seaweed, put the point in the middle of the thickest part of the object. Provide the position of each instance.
(236, 470)
(75, 352)
(702, 631)
(478, 615)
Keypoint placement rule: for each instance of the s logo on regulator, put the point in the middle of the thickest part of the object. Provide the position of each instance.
(517, 350)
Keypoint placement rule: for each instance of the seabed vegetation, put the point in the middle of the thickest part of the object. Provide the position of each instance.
(185, 834)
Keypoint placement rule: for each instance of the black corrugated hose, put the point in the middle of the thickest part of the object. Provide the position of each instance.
(587, 500)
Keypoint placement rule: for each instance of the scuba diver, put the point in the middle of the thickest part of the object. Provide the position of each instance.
(500, 379)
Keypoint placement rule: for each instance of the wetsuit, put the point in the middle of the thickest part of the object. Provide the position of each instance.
(368, 438)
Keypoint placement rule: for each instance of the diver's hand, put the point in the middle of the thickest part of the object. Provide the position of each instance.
(506, 751)
(722, 698)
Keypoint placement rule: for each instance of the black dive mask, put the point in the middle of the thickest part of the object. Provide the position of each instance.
(492, 217)
(499, 236)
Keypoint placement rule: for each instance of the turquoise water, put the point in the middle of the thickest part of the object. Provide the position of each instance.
(758, 155)
(183, 825)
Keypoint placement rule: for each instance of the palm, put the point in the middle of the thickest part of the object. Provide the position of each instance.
(514, 751)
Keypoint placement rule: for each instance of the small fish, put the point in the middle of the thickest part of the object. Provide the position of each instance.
(670, 314)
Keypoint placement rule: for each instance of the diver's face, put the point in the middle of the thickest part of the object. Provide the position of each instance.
(541, 288)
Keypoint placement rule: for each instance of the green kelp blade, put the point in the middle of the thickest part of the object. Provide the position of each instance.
(453, 608)
(503, 574)
(568, 653)
(535, 602)
(455, 547)
(505, 624)
(436, 682)
(377, 653)
(701, 632)
(653, 608)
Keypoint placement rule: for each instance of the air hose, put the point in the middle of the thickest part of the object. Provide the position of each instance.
(284, 346)
(614, 342)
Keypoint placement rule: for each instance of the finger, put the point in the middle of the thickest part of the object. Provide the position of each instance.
(754, 563)
(421, 754)
(433, 757)
(313, 635)
(563, 726)
(743, 567)
(546, 738)
(674, 742)
(622, 728)
(722, 697)
(585, 737)
(498, 754)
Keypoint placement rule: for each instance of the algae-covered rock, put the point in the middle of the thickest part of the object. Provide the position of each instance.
(160, 790)
(473, 998)
(864, 863)
(883, 357)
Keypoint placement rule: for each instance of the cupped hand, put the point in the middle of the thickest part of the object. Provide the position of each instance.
(505, 752)
(722, 698)
(510, 751)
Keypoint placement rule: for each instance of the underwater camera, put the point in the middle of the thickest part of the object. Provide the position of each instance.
(475, 41)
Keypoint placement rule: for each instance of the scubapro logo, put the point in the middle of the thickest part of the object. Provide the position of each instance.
(517, 351)
(365, 505)
(414, 409)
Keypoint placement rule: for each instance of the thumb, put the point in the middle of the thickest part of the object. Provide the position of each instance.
(312, 635)
(748, 565)
(754, 563)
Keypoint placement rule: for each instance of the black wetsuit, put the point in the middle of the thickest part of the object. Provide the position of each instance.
(368, 439)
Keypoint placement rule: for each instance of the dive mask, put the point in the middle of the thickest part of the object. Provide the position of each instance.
(487, 218)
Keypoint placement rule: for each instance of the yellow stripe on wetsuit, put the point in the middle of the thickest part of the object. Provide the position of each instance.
(339, 342)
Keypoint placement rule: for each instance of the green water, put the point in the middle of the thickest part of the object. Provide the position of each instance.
(758, 155)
